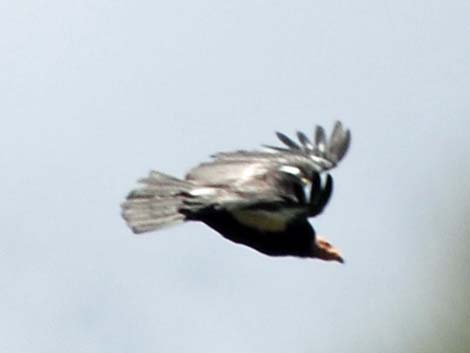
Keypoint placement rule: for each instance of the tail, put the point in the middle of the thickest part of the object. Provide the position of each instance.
(156, 204)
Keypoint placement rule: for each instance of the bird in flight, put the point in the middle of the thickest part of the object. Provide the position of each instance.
(261, 199)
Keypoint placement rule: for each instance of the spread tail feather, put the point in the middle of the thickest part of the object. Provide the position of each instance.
(156, 204)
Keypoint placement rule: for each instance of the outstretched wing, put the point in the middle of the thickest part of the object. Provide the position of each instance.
(220, 172)
(320, 154)
(280, 177)
(255, 171)
(240, 185)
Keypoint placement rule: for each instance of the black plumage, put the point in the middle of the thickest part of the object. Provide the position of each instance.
(261, 199)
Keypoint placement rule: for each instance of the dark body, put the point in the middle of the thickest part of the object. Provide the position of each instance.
(256, 198)
(298, 237)
(296, 240)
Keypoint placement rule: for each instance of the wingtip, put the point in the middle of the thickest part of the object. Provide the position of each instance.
(287, 141)
(325, 151)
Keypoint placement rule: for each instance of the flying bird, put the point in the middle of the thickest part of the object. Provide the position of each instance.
(258, 198)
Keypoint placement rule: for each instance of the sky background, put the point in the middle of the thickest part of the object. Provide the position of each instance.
(94, 94)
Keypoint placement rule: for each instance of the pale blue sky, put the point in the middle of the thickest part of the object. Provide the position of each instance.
(97, 93)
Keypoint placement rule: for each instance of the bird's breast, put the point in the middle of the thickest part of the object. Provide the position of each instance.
(266, 220)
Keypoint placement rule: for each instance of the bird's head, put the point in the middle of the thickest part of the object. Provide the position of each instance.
(325, 251)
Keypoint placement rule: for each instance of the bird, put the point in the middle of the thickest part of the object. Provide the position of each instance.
(262, 199)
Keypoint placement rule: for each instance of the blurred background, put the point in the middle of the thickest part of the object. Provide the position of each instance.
(94, 94)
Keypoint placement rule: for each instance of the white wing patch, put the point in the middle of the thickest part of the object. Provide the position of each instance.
(290, 169)
(203, 192)
(307, 183)
(250, 172)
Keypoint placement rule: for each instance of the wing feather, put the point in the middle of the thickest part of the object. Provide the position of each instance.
(304, 140)
(288, 142)
(320, 139)
(324, 153)
(339, 142)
